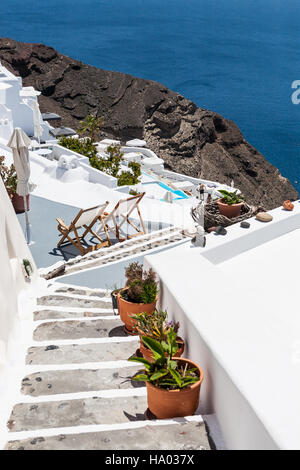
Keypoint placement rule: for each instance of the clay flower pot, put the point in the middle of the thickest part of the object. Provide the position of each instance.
(230, 211)
(166, 404)
(148, 354)
(18, 202)
(114, 300)
(126, 309)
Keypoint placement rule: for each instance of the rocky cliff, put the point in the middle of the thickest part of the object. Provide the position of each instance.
(191, 140)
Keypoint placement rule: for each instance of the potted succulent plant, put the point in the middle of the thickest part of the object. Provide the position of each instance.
(230, 204)
(157, 327)
(173, 384)
(139, 295)
(10, 181)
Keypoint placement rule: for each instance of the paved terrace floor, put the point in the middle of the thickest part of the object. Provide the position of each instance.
(44, 233)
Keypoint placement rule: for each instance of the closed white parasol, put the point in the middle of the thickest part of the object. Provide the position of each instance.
(38, 130)
(19, 143)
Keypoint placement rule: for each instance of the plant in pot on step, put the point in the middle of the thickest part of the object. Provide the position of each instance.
(230, 204)
(10, 181)
(114, 299)
(173, 384)
(139, 295)
(157, 327)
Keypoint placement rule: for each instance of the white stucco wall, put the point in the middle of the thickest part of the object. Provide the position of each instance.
(237, 304)
(13, 249)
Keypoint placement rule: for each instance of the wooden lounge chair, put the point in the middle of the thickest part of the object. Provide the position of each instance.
(85, 219)
(121, 213)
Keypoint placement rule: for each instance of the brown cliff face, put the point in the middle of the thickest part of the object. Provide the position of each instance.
(191, 140)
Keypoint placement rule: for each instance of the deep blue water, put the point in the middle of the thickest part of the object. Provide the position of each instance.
(236, 57)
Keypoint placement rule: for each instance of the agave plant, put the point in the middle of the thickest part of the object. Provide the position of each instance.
(165, 372)
(231, 197)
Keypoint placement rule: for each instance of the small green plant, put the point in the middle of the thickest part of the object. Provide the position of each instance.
(165, 372)
(231, 197)
(91, 126)
(27, 266)
(141, 285)
(9, 176)
(83, 146)
(132, 192)
(155, 325)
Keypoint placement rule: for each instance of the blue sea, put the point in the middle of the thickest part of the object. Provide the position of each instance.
(236, 57)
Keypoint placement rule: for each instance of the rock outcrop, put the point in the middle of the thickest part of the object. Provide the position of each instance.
(191, 140)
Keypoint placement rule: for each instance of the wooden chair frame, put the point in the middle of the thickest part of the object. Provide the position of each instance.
(113, 215)
(66, 230)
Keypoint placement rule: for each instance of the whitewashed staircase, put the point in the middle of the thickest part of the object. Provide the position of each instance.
(77, 393)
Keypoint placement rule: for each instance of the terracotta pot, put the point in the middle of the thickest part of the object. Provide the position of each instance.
(166, 404)
(126, 309)
(18, 202)
(230, 211)
(147, 353)
(114, 301)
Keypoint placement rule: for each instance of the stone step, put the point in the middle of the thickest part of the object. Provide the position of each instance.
(55, 414)
(79, 329)
(81, 380)
(49, 314)
(81, 353)
(182, 437)
(86, 292)
(64, 301)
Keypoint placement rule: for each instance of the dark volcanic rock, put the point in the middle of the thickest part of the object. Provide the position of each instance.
(191, 140)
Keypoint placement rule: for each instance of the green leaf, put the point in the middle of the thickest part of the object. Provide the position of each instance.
(154, 345)
(141, 378)
(189, 382)
(158, 374)
(147, 364)
(176, 376)
(168, 383)
(172, 364)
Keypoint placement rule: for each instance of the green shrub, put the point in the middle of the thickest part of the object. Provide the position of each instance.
(110, 165)
(128, 178)
(84, 147)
